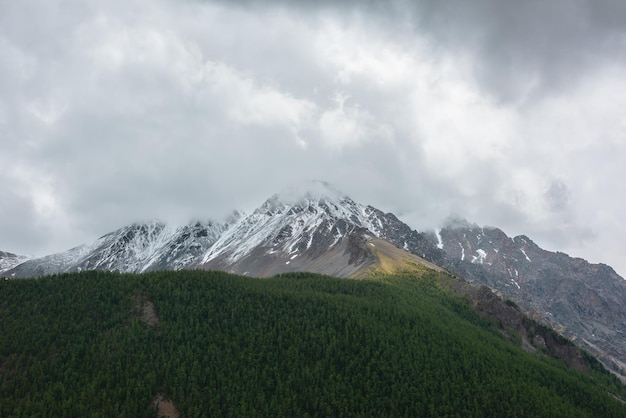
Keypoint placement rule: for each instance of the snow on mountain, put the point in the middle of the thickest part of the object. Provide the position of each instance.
(187, 245)
(582, 300)
(308, 220)
(318, 229)
(285, 227)
(132, 249)
(290, 224)
(295, 224)
(50, 264)
(129, 249)
(10, 260)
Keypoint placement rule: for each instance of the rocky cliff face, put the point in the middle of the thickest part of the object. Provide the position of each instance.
(322, 232)
(583, 301)
(132, 249)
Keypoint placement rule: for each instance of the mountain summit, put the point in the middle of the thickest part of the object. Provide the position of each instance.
(313, 227)
(319, 230)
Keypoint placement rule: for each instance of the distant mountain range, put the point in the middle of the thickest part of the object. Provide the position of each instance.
(324, 231)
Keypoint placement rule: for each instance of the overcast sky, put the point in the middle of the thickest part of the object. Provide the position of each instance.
(507, 113)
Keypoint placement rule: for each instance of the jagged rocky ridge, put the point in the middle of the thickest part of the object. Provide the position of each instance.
(325, 231)
(316, 231)
(582, 301)
(133, 249)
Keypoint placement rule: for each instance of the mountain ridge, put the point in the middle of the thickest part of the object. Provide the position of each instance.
(325, 231)
(581, 300)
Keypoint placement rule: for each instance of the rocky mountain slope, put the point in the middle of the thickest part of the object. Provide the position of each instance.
(132, 249)
(324, 231)
(320, 230)
(10, 260)
(583, 301)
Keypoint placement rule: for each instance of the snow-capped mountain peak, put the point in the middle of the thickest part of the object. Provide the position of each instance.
(298, 229)
(287, 225)
(305, 221)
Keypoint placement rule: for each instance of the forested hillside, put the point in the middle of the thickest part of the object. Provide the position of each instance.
(105, 344)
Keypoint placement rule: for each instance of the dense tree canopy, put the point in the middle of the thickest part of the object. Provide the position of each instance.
(293, 345)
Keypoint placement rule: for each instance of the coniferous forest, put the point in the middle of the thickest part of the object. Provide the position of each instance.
(98, 344)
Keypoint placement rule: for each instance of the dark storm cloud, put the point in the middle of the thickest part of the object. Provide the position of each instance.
(522, 48)
(533, 46)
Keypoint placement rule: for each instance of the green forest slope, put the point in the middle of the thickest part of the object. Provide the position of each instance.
(104, 344)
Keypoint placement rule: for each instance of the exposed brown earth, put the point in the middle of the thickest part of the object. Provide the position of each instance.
(388, 259)
(165, 407)
(147, 313)
(356, 255)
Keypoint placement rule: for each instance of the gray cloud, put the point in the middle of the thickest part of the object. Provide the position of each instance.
(533, 47)
(558, 196)
(522, 48)
(502, 112)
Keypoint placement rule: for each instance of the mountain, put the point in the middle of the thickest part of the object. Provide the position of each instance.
(132, 249)
(10, 260)
(583, 301)
(322, 230)
(152, 246)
